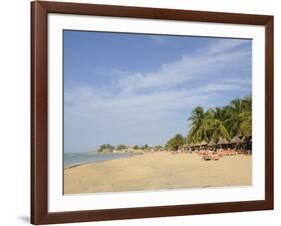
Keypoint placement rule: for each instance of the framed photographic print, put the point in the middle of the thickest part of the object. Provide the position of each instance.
(148, 112)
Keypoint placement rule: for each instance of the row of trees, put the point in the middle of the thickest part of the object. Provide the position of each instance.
(120, 147)
(106, 148)
(231, 120)
(234, 119)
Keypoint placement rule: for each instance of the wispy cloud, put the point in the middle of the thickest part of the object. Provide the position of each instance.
(222, 46)
(159, 39)
(189, 67)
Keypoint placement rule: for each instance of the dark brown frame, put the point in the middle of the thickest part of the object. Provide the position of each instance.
(39, 112)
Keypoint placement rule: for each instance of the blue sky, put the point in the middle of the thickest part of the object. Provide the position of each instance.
(140, 89)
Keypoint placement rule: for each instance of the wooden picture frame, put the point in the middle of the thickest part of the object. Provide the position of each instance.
(39, 112)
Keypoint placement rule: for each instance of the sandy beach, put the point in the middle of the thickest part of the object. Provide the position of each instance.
(159, 170)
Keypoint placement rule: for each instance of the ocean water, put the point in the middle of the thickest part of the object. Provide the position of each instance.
(81, 158)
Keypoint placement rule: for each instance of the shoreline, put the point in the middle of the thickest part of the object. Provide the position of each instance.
(93, 162)
(88, 158)
(157, 170)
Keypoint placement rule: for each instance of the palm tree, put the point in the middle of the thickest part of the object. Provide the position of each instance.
(246, 116)
(225, 122)
(199, 125)
(219, 113)
(234, 120)
(175, 142)
(240, 121)
(247, 103)
(217, 120)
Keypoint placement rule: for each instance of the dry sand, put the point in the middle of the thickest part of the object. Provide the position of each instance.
(160, 170)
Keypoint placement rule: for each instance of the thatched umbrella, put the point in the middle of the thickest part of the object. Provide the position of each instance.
(246, 139)
(197, 145)
(203, 143)
(222, 141)
(235, 140)
(185, 147)
(212, 143)
(191, 146)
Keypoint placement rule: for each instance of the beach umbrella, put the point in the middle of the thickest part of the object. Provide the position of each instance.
(192, 146)
(196, 146)
(203, 143)
(211, 143)
(235, 140)
(222, 141)
(247, 139)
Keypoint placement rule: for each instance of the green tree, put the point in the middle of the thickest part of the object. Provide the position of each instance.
(221, 122)
(144, 147)
(240, 121)
(175, 142)
(106, 147)
(199, 125)
(246, 116)
(121, 147)
(216, 120)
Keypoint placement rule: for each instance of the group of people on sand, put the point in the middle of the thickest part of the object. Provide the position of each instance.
(218, 153)
(208, 154)
(213, 153)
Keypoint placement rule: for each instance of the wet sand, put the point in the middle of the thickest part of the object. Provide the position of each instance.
(156, 171)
